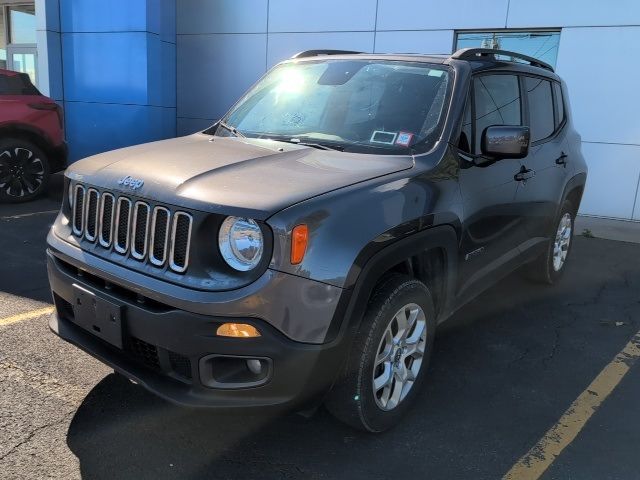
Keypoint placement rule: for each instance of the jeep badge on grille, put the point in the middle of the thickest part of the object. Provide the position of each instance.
(132, 183)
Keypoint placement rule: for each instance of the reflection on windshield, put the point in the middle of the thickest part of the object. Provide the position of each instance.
(366, 103)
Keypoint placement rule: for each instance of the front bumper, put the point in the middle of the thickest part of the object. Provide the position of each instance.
(163, 347)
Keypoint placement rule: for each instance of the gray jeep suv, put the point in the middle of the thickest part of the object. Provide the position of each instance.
(305, 247)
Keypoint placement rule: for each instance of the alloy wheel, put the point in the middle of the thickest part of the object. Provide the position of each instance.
(562, 241)
(399, 356)
(21, 172)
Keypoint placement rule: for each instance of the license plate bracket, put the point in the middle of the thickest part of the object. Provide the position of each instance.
(98, 315)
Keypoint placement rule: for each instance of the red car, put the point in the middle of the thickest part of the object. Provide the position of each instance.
(32, 142)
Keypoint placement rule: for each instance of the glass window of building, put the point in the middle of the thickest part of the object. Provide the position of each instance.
(22, 24)
(542, 45)
(3, 46)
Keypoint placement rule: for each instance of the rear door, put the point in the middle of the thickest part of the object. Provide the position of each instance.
(492, 229)
(540, 191)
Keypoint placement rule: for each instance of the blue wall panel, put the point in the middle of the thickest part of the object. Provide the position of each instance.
(161, 81)
(97, 127)
(106, 67)
(104, 15)
(118, 63)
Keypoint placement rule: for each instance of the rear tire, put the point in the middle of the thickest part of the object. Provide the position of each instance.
(24, 171)
(389, 358)
(549, 267)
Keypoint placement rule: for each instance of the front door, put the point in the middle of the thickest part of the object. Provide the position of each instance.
(492, 230)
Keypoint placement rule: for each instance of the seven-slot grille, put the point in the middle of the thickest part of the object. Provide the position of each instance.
(132, 227)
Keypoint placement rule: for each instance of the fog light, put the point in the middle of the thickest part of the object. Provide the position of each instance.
(254, 366)
(237, 330)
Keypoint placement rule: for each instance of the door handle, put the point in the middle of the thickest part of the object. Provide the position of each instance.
(562, 159)
(524, 174)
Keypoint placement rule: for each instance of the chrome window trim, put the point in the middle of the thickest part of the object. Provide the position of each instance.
(101, 239)
(133, 230)
(78, 231)
(174, 267)
(86, 214)
(116, 246)
(156, 261)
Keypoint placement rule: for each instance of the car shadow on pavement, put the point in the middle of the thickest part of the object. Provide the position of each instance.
(504, 369)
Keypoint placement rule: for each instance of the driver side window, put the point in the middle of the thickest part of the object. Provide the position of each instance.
(497, 102)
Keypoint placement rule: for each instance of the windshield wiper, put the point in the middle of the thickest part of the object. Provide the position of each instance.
(231, 129)
(319, 146)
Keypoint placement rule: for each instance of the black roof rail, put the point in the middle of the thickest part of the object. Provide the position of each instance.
(474, 53)
(315, 53)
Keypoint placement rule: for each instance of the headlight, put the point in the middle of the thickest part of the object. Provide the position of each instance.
(241, 243)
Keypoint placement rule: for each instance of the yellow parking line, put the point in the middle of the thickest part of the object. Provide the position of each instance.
(543, 454)
(25, 316)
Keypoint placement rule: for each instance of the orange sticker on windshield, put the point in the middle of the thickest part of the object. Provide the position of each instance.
(404, 139)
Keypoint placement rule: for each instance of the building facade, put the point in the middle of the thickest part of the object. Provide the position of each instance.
(129, 71)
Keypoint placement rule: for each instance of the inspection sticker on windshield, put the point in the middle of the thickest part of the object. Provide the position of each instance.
(404, 138)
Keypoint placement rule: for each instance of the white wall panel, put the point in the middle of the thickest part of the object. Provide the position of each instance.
(227, 16)
(441, 14)
(426, 41)
(214, 70)
(321, 15)
(284, 45)
(612, 180)
(603, 83)
(187, 126)
(570, 13)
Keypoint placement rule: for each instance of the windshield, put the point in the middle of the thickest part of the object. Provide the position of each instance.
(354, 104)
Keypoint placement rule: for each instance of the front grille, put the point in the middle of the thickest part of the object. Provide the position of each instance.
(133, 228)
(91, 220)
(159, 236)
(180, 240)
(106, 219)
(144, 352)
(78, 210)
(140, 230)
(180, 364)
(123, 222)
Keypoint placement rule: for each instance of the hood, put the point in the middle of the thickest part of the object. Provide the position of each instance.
(233, 176)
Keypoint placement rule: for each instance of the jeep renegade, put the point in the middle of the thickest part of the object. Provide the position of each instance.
(305, 247)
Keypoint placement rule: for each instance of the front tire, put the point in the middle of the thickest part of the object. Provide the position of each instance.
(549, 267)
(24, 171)
(389, 357)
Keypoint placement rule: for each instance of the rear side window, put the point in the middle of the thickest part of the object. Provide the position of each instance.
(496, 101)
(541, 121)
(559, 104)
(17, 85)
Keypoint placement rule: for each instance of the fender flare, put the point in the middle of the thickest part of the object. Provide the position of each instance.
(354, 300)
(579, 180)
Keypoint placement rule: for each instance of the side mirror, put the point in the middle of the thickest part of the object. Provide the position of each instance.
(505, 141)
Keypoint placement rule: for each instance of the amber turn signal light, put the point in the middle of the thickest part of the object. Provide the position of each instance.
(237, 330)
(299, 240)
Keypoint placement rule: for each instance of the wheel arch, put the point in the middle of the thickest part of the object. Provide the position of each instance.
(33, 135)
(430, 255)
(573, 191)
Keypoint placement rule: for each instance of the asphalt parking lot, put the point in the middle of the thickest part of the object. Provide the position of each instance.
(509, 367)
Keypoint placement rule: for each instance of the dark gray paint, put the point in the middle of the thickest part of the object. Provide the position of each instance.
(350, 202)
(270, 298)
(229, 175)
